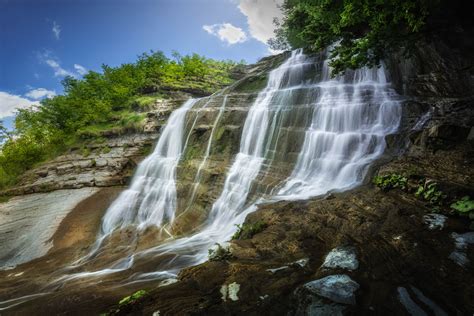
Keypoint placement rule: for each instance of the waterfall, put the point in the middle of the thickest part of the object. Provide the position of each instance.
(259, 131)
(353, 115)
(348, 118)
(197, 178)
(151, 198)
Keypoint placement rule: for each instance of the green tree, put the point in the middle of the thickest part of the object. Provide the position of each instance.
(3, 132)
(362, 32)
(102, 99)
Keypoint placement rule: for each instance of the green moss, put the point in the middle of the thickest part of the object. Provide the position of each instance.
(132, 298)
(146, 102)
(106, 150)
(252, 84)
(193, 150)
(85, 151)
(131, 121)
(145, 150)
(4, 198)
(94, 131)
(120, 123)
(247, 231)
(224, 141)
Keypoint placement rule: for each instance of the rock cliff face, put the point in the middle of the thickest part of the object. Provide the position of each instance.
(385, 257)
(410, 259)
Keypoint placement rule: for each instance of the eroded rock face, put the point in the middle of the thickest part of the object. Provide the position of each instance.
(27, 224)
(394, 247)
(109, 163)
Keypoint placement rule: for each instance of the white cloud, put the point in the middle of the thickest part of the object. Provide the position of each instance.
(226, 32)
(39, 93)
(9, 103)
(260, 15)
(80, 69)
(56, 30)
(58, 70)
(48, 58)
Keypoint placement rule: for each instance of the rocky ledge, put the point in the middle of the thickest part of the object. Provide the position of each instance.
(104, 160)
(367, 251)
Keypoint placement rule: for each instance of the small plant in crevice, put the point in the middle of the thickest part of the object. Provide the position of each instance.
(125, 303)
(219, 253)
(464, 206)
(430, 193)
(247, 231)
(391, 181)
(106, 149)
(132, 298)
(85, 151)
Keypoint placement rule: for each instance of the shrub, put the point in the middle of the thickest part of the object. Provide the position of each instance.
(99, 103)
(390, 181)
(431, 193)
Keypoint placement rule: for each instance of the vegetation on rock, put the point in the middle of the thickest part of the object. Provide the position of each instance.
(103, 101)
(438, 200)
(431, 193)
(132, 298)
(390, 181)
(247, 231)
(464, 206)
(126, 303)
(365, 31)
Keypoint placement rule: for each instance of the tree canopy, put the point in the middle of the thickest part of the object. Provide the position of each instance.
(3, 132)
(362, 32)
(102, 99)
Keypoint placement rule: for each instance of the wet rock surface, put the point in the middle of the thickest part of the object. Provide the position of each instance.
(41, 212)
(393, 244)
(338, 288)
(396, 249)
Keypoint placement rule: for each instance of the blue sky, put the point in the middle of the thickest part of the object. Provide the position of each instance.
(41, 41)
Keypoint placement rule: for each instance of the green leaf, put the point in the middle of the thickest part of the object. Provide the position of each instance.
(464, 205)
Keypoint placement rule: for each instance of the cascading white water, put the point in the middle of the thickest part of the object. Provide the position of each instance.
(259, 131)
(353, 115)
(261, 127)
(151, 198)
(197, 178)
(350, 119)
